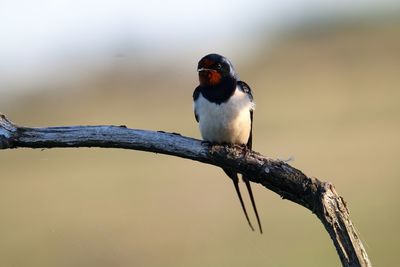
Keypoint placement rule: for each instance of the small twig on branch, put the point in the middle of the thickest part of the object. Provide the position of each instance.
(319, 197)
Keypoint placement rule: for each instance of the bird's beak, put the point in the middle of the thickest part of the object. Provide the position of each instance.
(204, 69)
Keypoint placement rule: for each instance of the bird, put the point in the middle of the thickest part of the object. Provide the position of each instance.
(223, 108)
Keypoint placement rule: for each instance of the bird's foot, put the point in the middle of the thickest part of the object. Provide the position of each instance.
(246, 150)
(211, 146)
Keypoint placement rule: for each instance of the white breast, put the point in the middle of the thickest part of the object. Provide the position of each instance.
(227, 122)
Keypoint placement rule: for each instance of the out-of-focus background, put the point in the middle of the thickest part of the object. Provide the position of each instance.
(326, 80)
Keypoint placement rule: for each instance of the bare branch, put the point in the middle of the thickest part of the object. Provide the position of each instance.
(319, 197)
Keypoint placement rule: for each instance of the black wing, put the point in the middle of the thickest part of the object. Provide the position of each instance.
(244, 87)
(196, 94)
(250, 142)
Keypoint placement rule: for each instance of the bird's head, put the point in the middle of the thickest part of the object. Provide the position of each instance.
(213, 69)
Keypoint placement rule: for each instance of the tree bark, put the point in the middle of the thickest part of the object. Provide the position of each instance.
(319, 197)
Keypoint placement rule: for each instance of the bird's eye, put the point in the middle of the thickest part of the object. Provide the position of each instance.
(219, 66)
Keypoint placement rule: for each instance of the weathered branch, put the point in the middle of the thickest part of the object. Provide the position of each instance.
(290, 183)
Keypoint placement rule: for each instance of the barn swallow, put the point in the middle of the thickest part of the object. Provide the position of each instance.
(223, 107)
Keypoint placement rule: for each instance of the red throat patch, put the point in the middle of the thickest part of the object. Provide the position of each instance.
(214, 77)
(210, 77)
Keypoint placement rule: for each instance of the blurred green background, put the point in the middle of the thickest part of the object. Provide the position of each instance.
(327, 93)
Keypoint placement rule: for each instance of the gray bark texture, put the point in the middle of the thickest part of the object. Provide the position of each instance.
(319, 197)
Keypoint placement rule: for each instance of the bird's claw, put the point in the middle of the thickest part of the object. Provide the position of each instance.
(246, 150)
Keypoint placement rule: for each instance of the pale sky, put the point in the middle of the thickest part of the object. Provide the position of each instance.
(35, 34)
